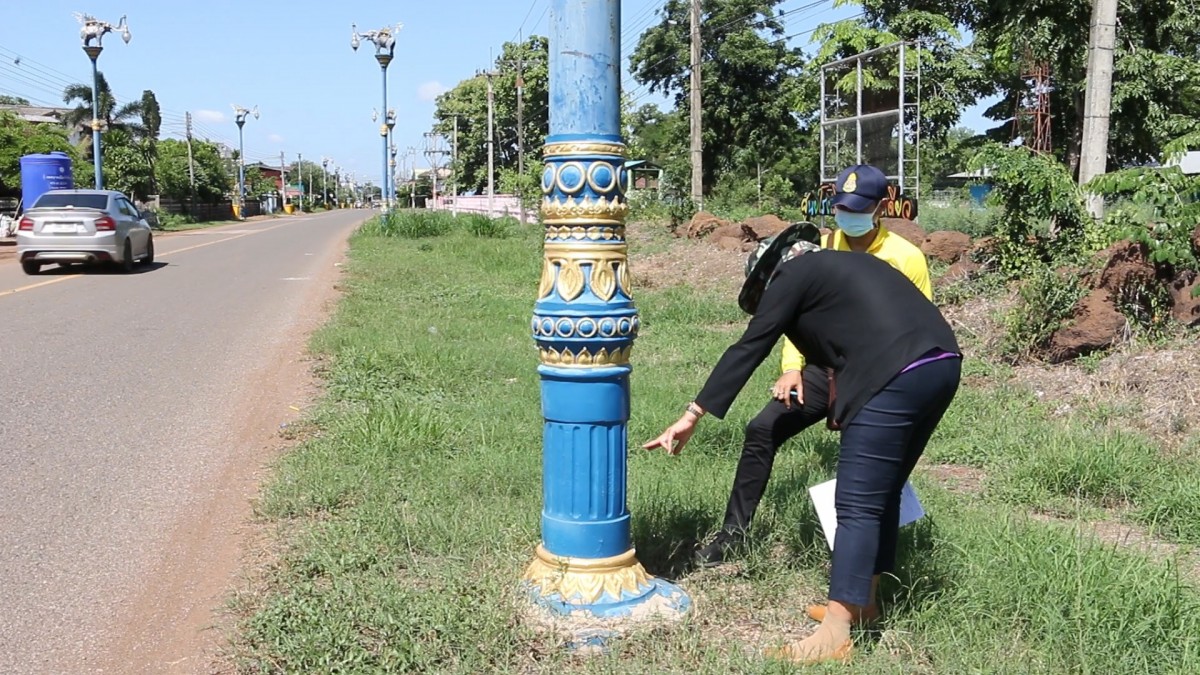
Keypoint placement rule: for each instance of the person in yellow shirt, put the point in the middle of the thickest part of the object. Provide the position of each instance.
(801, 395)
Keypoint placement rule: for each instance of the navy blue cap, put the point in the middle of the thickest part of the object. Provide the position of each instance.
(860, 188)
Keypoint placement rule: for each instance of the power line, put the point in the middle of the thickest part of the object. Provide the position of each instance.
(532, 5)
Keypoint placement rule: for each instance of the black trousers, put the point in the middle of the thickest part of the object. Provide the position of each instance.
(879, 449)
(773, 426)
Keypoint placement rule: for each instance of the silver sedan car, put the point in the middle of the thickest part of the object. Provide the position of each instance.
(83, 226)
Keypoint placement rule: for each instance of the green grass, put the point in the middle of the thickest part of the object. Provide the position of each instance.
(407, 518)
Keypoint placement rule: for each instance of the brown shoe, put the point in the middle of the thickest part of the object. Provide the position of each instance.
(868, 618)
(790, 653)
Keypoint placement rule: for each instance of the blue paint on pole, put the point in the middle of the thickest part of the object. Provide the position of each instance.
(96, 157)
(584, 325)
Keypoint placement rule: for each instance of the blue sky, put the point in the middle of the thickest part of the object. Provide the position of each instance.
(293, 60)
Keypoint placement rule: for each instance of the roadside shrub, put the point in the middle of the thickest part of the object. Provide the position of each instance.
(410, 224)
(1045, 300)
(1158, 207)
(490, 228)
(1040, 217)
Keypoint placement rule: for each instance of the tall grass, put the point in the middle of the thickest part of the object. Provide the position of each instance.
(408, 517)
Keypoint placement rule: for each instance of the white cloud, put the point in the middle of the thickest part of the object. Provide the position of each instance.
(275, 138)
(210, 116)
(431, 90)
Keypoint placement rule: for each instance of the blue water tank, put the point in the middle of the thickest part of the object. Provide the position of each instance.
(42, 173)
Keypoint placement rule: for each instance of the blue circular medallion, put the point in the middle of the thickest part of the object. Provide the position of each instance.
(571, 177)
(608, 327)
(586, 328)
(548, 180)
(547, 326)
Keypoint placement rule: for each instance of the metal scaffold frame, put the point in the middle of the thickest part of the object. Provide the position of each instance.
(907, 111)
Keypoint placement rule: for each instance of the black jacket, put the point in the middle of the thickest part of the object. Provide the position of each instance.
(851, 312)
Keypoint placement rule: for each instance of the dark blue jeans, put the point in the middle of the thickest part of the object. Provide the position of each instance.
(880, 446)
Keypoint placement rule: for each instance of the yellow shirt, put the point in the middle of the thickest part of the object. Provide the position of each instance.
(890, 248)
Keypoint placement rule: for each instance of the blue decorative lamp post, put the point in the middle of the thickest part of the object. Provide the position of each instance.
(384, 40)
(584, 325)
(239, 116)
(94, 29)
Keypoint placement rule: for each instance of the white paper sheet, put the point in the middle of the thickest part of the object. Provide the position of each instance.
(822, 496)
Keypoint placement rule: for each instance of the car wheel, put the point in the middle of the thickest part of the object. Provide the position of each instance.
(149, 257)
(127, 261)
(31, 267)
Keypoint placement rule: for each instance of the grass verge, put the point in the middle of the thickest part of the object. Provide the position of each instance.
(407, 518)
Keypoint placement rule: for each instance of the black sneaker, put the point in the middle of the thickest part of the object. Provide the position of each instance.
(713, 553)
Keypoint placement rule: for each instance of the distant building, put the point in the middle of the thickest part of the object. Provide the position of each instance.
(37, 114)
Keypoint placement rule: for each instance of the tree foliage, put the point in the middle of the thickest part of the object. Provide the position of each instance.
(749, 85)
(125, 118)
(19, 138)
(1156, 86)
(469, 102)
(213, 180)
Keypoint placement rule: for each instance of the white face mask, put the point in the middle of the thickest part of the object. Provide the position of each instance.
(854, 224)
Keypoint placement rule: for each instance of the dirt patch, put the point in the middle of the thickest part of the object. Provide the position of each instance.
(694, 263)
(1156, 390)
(184, 602)
(955, 477)
(947, 246)
(1095, 325)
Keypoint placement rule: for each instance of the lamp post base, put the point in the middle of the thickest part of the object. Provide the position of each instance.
(593, 600)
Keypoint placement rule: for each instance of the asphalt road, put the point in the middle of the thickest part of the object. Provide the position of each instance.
(120, 404)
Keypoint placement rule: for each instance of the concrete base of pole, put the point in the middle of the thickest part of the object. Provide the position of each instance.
(588, 602)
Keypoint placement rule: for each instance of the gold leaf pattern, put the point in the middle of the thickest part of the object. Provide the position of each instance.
(546, 285)
(585, 581)
(583, 148)
(617, 357)
(570, 280)
(604, 282)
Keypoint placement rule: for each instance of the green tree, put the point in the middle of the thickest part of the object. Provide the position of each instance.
(1156, 85)
(19, 138)
(749, 81)
(468, 101)
(212, 179)
(5, 99)
(125, 118)
(151, 124)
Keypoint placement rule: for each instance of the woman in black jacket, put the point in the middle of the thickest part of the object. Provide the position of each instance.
(896, 366)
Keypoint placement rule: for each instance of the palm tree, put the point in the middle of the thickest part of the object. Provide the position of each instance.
(125, 118)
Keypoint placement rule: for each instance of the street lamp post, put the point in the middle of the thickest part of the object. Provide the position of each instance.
(94, 29)
(390, 121)
(584, 325)
(392, 152)
(325, 182)
(384, 40)
(240, 115)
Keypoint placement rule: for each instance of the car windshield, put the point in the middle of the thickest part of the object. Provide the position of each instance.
(79, 201)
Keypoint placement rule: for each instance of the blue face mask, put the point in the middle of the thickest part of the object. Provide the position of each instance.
(854, 224)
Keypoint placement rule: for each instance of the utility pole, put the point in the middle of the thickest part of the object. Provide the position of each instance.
(411, 153)
(434, 152)
(521, 128)
(491, 100)
(696, 139)
(191, 165)
(300, 179)
(1097, 103)
(454, 169)
(282, 182)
